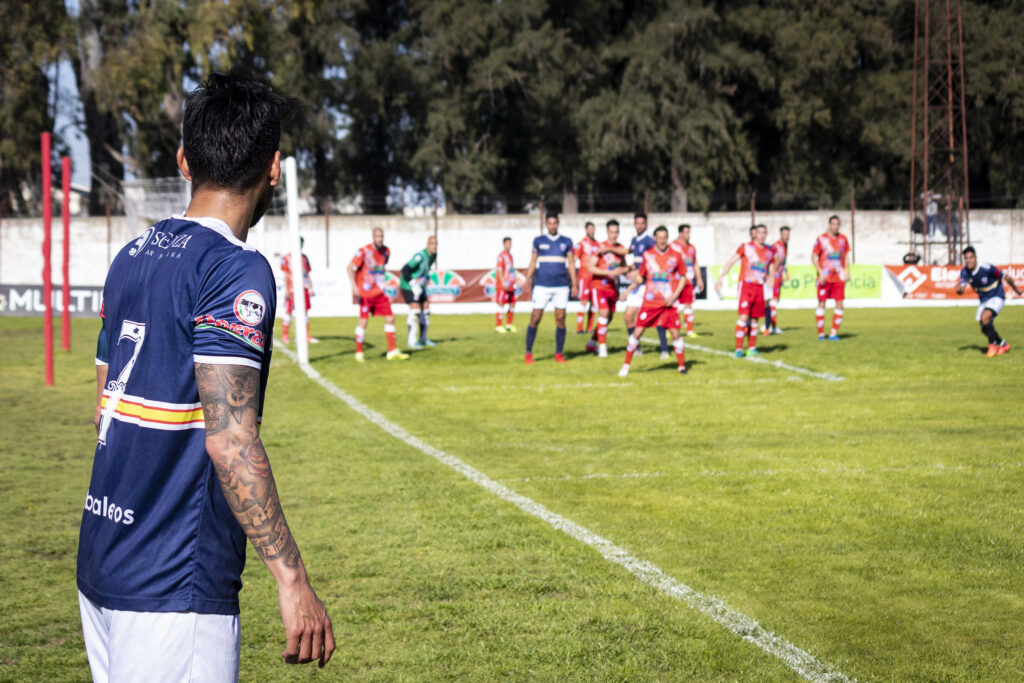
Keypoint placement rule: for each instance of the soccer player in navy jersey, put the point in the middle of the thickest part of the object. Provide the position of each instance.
(987, 282)
(180, 476)
(640, 243)
(554, 265)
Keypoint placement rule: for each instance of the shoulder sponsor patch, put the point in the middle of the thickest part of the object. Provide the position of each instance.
(250, 307)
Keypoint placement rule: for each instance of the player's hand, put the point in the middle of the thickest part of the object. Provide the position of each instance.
(97, 416)
(416, 291)
(306, 625)
(959, 289)
(575, 290)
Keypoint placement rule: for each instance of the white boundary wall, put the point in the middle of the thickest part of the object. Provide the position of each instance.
(474, 241)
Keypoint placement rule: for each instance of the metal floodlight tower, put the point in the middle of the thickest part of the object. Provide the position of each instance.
(939, 198)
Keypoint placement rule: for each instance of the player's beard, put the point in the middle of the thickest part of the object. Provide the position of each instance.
(262, 205)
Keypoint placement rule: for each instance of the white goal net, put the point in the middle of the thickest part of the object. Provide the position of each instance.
(153, 199)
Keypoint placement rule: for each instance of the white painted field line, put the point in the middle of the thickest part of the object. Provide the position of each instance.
(746, 627)
(827, 376)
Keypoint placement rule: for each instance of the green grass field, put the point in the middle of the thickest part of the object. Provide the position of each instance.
(875, 522)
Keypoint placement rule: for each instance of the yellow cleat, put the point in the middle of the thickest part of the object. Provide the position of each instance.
(511, 328)
(397, 355)
(500, 329)
(359, 356)
(692, 335)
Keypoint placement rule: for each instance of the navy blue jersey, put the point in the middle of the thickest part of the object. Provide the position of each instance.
(986, 280)
(157, 534)
(639, 244)
(553, 255)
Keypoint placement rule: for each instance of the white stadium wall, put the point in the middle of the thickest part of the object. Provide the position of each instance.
(472, 242)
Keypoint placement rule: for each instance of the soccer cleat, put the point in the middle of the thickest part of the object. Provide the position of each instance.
(397, 354)
(992, 350)
(777, 330)
(500, 330)
(739, 353)
(591, 346)
(624, 371)
(664, 355)
(559, 358)
(692, 335)
(529, 359)
(429, 342)
(1002, 348)
(359, 356)
(763, 330)
(415, 346)
(511, 328)
(681, 369)
(834, 337)
(312, 340)
(602, 351)
(752, 353)
(821, 337)
(580, 330)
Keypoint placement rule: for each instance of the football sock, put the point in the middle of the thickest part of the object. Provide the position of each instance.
(559, 339)
(837, 319)
(663, 339)
(753, 334)
(424, 324)
(410, 323)
(590, 318)
(389, 334)
(285, 329)
(602, 330)
(741, 332)
(509, 316)
(819, 317)
(579, 321)
(630, 348)
(629, 330)
(497, 318)
(990, 331)
(774, 307)
(680, 347)
(531, 334)
(688, 317)
(360, 331)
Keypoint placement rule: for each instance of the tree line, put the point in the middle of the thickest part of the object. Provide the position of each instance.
(585, 103)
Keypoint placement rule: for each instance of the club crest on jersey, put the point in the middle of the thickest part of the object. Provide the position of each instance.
(250, 307)
(141, 241)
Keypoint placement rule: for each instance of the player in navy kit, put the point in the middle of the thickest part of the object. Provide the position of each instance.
(987, 282)
(554, 265)
(640, 243)
(180, 476)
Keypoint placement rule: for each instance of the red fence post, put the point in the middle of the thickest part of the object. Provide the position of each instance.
(47, 283)
(65, 211)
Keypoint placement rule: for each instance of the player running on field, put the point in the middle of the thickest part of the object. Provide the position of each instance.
(831, 258)
(663, 275)
(583, 250)
(289, 291)
(505, 288)
(415, 276)
(694, 279)
(606, 266)
(554, 266)
(781, 250)
(640, 243)
(367, 274)
(987, 282)
(756, 269)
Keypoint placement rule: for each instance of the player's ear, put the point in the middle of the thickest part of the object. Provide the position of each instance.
(275, 169)
(183, 164)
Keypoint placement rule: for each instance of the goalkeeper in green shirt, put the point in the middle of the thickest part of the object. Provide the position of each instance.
(415, 275)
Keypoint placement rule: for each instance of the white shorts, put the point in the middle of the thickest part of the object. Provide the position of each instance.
(635, 296)
(159, 646)
(994, 304)
(542, 296)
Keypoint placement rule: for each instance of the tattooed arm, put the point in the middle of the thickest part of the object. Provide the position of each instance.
(230, 397)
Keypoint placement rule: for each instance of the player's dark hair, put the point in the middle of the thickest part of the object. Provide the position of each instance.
(969, 250)
(784, 227)
(831, 217)
(506, 239)
(684, 226)
(639, 214)
(230, 131)
(753, 228)
(611, 223)
(661, 228)
(551, 214)
(588, 224)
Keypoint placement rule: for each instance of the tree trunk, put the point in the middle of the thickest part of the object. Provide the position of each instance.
(101, 129)
(678, 201)
(570, 200)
